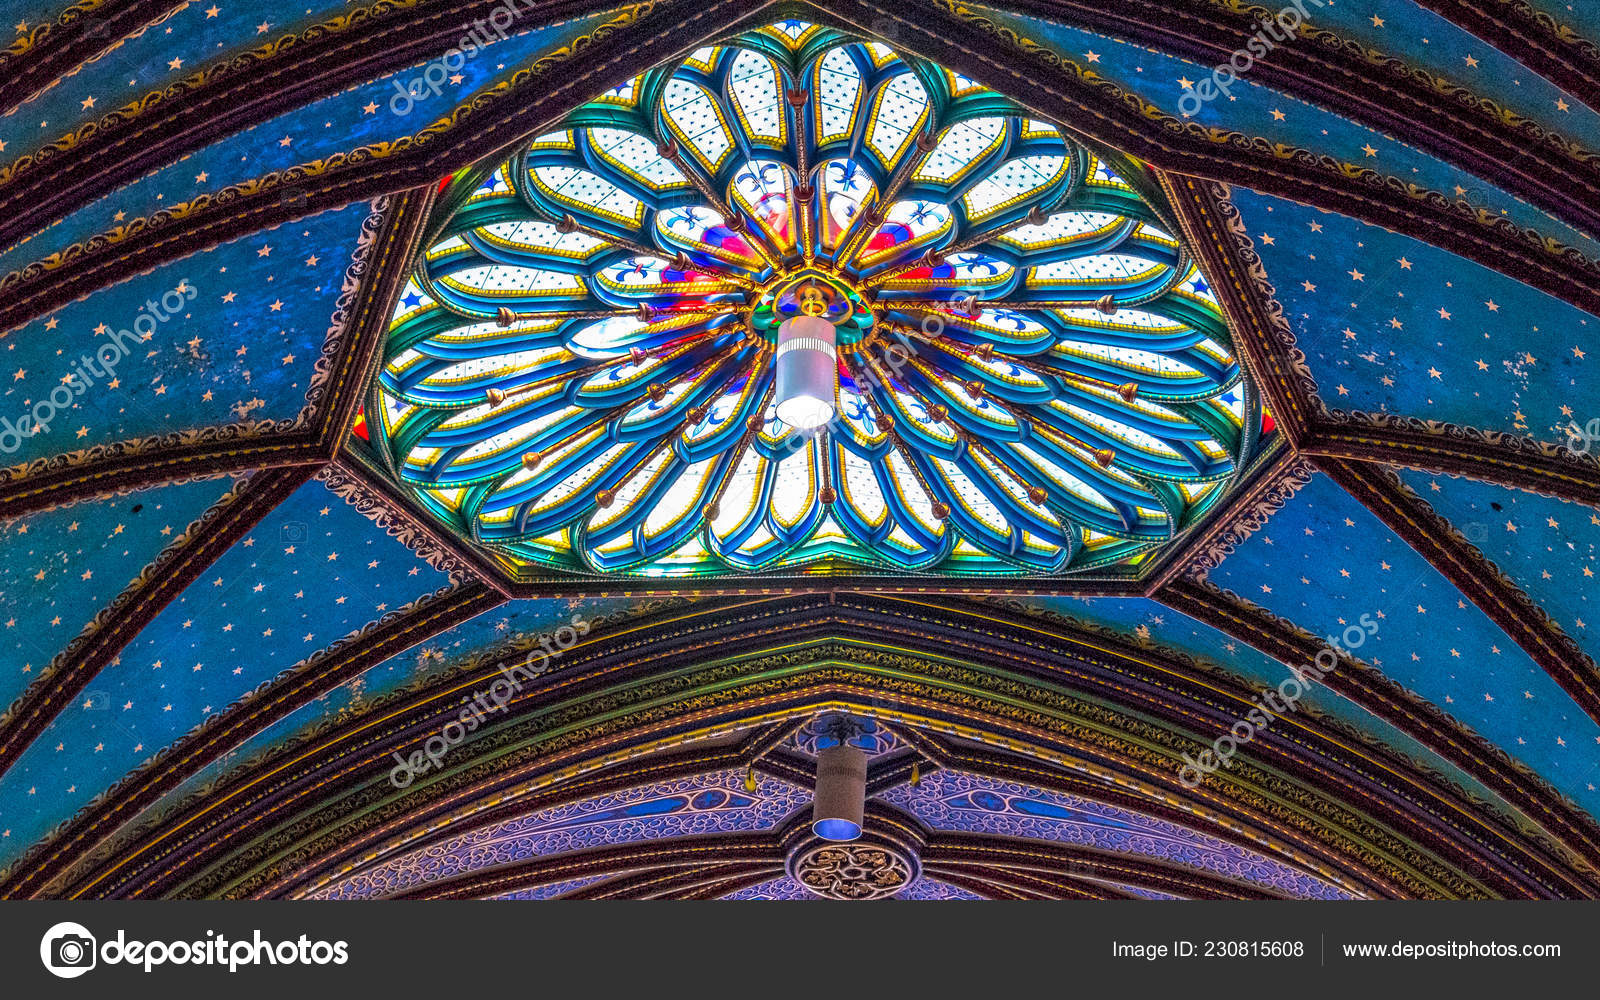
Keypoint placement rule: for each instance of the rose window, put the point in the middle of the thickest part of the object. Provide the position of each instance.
(803, 303)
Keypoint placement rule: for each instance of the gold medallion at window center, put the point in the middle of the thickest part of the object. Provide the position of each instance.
(812, 293)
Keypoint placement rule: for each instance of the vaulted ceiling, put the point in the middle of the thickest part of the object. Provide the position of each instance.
(258, 608)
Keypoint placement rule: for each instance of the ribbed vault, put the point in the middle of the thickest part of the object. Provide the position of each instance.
(145, 752)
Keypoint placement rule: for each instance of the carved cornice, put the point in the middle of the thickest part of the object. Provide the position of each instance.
(377, 508)
(1251, 518)
(35, 60)
(1262, 335)
(1533, 38)
(1492, 456)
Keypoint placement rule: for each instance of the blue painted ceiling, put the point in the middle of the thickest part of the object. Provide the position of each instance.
(1388, 324)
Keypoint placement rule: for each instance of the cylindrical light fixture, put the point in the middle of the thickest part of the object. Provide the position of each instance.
(840, 801)
(808, 366)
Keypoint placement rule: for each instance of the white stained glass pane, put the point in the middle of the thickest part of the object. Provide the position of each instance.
(920, 217)
(1134, 360)
(1062, 477)
(741, 495)
(754, 83)
(959, 146)
(846, 187)
(682, 499)
(758, 538)
(702, 57)
(838, 94)
(859, 487)
(1009, 321)
(587, 190)
(979, 268)
(583, 479)
(605, 338)
(972, 497)
(915, 497)
(1115, 267)
(637, 155)
(502, 278)
(508, 363)
(1118, 429)
(540, 235)
(628, 494)
(793, 488)
(695, 117)
(689, 224)
(1060, 226)
(764, 189)
(625, 93)
(1012, 182)
(900, 108)
(1105, 175)
(1122, 317)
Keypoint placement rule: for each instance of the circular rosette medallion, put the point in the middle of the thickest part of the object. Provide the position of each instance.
(853, 871)
(1030, 374)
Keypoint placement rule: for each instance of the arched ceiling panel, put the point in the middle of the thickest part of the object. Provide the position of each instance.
(59, 567)
(1391, 325)
(513, 622)
(1325, 562)
(1550, 548)
(315, 570)
(235, 335)
(369, 116)
(173, 48)
(1426, 40)
(1158, 626)
(1288, 124)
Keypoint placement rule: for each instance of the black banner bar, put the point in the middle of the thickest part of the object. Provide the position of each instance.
(264, 948)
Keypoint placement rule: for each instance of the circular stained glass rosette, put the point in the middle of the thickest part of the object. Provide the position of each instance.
(1033, 377)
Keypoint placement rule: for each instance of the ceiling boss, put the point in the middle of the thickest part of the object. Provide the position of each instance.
(804, 303)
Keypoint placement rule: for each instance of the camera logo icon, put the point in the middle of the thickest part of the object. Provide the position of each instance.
(68, 950)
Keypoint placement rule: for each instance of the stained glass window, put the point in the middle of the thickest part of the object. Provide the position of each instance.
(1033, 376)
